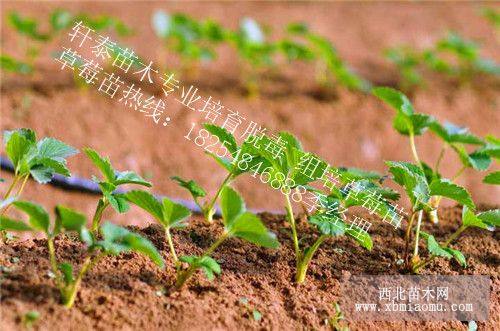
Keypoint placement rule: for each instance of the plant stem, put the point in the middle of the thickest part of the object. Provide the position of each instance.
(458, 174)
(454, 236)
(440, 158)
(171, 246)
(209, 210)
(11, 187)
(69, 295)
(53, 262)
(414, 149)
(291, 218)
(96, 220)
(185, 275)
(407, 239)
(417, 233)
(302, 267)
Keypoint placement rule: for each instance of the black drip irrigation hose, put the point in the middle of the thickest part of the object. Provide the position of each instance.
(84, 185)
(88, 186)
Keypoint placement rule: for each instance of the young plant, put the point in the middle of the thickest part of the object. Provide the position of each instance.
(228, 156)
(112, 179)
(239, 223)
(169, 214)
(407, 61)
(192, 40)
(38, 159)
(254, 51)
(487, 220)
(328, 62)
(285, 172)
(423, 184)
(115, 240)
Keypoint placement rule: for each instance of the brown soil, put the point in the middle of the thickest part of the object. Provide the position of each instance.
(121, 293)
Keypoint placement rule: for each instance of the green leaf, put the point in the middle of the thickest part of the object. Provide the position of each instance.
(458, 256)
(490, 217)
(225, 137)
(42, 174)
(452, 133)
(8, 224)
(130, 177)
(148, 202)
(174, 213)
(206, 263)
(38, 217)
(60, 19)
(492, 178)
(328, 224)
(117, 201)
(196, 190)
(249, 227)
(71, 220)
(55, 166)
(17, 148)
(445, 188)
(412, 178)
(54, 149)
(478, 160)
(433, 246)
(361, 236)
(118, 239)
(231, 204)
(67, 271)
(103, 164)
(470, 219)
(395, 99)
(225, 163)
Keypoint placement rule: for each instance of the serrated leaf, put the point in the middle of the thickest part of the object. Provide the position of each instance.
(412, 178)
(225, 163)
(361, 236)
(452, 133)
(103, 164)
(492, 178)
(490, 217)
(117, 201)
(148, 202)
(232, 205)
(250, 227)
(445, 188)
(118, 239)
(478, 160)
(42, 174)
(8, 224)
(458, 256)
(54, 149)
(58, 167)
(38, 217)
(433, 246)
(225, 137)
(395, 99)
(328, 224)
(206, 263)
(470, 219)
(130, 177)
(174, 213)
(196, 190)
(17, 148)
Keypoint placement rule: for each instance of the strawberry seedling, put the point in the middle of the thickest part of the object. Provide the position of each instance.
(169, 214)
(488, 220)
(228, 156)
(38, 159)
(192, 40)
(328, 62)
(424, 185)
(112, 179)
(284, 171)
(239, 223)
(115, 240)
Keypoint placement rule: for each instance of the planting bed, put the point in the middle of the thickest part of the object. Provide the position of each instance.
(130, 292)
(256, 289)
